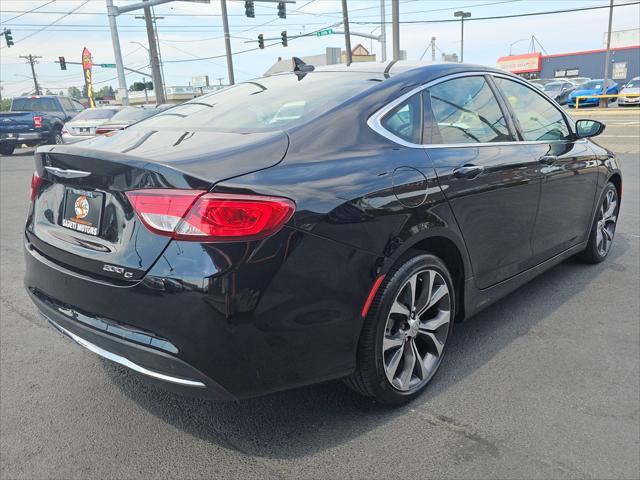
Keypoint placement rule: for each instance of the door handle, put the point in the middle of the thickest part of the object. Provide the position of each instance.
(548, 159)
(468, 171)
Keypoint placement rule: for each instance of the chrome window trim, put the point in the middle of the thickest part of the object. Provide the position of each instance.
(375, 121)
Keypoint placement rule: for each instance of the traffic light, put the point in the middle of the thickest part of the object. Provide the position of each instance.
(63, 63)
(8, 37)
(282, 10)
(284, 38)
(249, 9)
(261, 41)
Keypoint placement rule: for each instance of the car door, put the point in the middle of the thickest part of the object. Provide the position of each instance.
(490, 179)
(568, 165)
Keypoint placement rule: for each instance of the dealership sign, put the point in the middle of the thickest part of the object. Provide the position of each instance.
(525, 63)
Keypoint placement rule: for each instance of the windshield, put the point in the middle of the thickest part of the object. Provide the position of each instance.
(96, 114)
(266, 103)
(133, 114)
(635, 83)
(34, 105)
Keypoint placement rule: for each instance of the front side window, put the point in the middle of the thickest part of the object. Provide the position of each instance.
(539, 119)
(466, 111)
(405, 121)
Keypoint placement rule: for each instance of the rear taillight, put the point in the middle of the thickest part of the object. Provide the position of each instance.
(37, 122)
(210, 217)
(35, 183)
(64, 131)
(102, 131)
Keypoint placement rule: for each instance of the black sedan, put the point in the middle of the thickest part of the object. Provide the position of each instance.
(314, 225)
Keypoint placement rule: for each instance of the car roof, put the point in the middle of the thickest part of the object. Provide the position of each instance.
(418, 71)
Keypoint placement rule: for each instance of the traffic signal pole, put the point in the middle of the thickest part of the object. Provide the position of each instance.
(117, 53)
(227, 41)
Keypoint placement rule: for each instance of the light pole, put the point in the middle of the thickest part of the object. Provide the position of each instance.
(462, 16)
(517, 41)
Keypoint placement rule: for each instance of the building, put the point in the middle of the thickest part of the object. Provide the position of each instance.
(625, 64)
(331, 56)
(622, 38)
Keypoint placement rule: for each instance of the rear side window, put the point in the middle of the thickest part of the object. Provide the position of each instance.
(539, 119)
(466, 111)
(405, 121)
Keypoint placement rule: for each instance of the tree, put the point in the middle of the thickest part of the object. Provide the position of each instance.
(74, 92)
(48, 92)
(6, 104)
(107, 91)
(61, 93)
(140, 86)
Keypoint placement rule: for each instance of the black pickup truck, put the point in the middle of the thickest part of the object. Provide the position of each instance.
(35, 120)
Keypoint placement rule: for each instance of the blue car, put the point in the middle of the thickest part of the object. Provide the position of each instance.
(592, 87)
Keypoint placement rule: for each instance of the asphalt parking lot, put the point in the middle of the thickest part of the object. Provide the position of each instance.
(544, 384)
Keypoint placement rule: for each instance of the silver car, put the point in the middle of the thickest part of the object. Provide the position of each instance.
(83, 125)
(633, 87)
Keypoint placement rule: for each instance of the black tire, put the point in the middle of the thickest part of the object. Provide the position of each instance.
(370, 378)
(7, 148)
(56, 138)
(593, 253)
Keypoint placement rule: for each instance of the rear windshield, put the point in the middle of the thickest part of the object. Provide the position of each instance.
(268, 103)
(34, 105)
(96, 114)
(553, 86)
(133, 114)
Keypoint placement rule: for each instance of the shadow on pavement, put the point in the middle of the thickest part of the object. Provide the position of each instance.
(304, 421)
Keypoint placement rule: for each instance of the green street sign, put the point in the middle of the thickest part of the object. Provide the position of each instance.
(326, 31)
(108, 65)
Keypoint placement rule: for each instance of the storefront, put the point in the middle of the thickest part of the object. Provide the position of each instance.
(625, 64)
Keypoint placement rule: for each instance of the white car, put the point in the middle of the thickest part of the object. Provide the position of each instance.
(83, 125)
(633, 87)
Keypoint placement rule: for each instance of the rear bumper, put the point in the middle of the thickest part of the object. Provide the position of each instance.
(71, 139)
(284, 316)
(21, 137)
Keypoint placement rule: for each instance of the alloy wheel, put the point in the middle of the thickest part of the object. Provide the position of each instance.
(606, 226)
(58, 139)
(416, 331)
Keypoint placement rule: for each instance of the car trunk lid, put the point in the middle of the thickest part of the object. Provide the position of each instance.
(81, 217)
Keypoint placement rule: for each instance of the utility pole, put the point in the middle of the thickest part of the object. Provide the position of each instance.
(395, 27)
(604, 102)
(117, 53)
(227, 41)
(462, 16)
(31, 59)
(433, 49)
(383, 31)
(347, 36)
(153, 54)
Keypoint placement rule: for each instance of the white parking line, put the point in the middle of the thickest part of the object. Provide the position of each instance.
(618, 136)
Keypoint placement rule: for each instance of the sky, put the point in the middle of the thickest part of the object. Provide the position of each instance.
(190, 31)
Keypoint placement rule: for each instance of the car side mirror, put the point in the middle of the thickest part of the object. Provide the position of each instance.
(589, 128)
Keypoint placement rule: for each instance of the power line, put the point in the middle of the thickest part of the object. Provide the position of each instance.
(55, 21)
(28, 11)
(499, 17)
